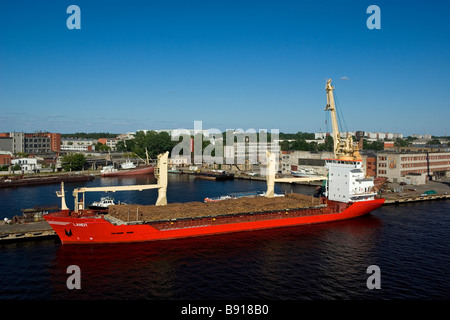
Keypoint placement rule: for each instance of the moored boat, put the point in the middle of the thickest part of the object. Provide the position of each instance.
(304, 172)
(110, 171)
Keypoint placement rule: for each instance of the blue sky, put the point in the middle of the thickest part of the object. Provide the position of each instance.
(232, 64)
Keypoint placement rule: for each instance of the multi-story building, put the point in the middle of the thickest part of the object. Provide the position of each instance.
(55, 141)
(78, 145)
(369, 164)
(396, 166)
(248, 155)
(18, 141)
(34, 143)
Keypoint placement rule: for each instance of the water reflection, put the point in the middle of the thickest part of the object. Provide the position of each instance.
(239, 265)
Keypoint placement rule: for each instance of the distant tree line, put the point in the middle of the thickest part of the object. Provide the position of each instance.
(301, 144)
(297, 136)
(92, 135)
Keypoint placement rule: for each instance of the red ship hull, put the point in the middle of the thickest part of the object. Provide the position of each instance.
(93, 228)
(130, 172)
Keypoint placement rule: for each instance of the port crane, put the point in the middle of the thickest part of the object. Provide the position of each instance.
(343, 148)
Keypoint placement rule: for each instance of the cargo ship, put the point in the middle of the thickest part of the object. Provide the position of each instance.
(348, 194)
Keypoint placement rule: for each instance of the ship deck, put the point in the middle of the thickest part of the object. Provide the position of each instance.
(211, 209)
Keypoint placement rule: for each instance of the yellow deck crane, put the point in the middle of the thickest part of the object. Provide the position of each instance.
(344, 148)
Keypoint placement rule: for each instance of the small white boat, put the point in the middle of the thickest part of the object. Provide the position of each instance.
(304, 172)
(103, 204)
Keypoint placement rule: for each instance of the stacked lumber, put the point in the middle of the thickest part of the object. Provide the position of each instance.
(133, 212)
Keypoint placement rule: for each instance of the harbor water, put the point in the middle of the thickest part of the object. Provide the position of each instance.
(408, 243)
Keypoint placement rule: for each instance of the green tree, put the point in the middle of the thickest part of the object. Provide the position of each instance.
(155, 143)
(328, 145)
(74, 161)
(93, 135)
(375, 145)
(434, 141)
(298, 135)
(101, 147)
(401, 143)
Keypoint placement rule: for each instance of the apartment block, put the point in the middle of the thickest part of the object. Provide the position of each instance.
(78, 145)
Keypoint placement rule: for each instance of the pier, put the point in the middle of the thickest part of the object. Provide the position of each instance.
(42, 179)
(400, 200)
(26, 231)
(416, 193)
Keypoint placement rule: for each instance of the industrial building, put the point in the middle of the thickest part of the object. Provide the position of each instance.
(297, 160)
(405, 167)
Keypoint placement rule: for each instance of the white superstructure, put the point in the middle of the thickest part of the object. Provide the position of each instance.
(346, 181)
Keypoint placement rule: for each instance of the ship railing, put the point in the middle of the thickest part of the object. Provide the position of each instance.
(370, 193)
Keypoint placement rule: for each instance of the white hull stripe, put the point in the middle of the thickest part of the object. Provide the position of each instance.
(59, 222)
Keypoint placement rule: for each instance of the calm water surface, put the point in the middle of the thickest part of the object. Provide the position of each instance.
(410, 244)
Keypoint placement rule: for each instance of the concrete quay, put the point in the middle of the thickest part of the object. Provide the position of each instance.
(25, 231)
(414, 193)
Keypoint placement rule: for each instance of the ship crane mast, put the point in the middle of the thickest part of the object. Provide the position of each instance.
(343, 148)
